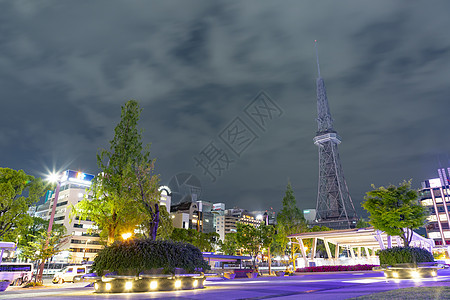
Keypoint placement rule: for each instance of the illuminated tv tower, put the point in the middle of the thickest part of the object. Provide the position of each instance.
(334, 205)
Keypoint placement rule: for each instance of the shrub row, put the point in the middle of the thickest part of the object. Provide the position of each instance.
(336, 268)
(400, 255)
(140, 255)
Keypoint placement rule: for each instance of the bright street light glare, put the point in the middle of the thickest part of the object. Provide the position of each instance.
(53, 177)
(126, 236)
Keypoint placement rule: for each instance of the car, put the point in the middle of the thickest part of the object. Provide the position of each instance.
(71, 273)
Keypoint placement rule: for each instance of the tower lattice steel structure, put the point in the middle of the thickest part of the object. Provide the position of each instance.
(334, 205)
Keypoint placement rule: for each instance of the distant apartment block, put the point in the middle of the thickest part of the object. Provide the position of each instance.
(435, 195)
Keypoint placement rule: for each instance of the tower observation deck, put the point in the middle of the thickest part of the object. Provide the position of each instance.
(334, 205)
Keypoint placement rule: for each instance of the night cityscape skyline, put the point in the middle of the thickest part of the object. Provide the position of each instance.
(65, 70)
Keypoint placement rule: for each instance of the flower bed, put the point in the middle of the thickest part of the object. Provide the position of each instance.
(337, 268)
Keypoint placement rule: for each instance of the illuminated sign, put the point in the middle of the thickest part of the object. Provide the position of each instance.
(435, 183)
(166, 189)
(77, 177)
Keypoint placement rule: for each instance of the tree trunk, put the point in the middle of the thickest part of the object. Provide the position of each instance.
(110, 236)
(153, 230)
(270, 261)
(406, 239)
(293, 257)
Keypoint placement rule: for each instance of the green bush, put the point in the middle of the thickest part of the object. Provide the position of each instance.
(400, 255)
(140, 255)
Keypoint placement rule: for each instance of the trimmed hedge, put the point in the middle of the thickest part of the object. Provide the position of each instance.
(401, 255)
(336, 268)
(139, 255)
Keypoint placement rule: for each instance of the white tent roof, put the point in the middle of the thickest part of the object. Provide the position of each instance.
(361, 237)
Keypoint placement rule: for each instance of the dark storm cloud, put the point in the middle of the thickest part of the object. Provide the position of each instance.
(67, 67)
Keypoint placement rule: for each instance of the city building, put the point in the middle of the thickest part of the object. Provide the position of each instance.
(166, 197)
(268, 216)
(84, 242)
(81, 245)
(226, 223)
(435, 196)
(207, 216)
(186, 215)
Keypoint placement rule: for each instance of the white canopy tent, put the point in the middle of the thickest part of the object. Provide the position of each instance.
(359, 238)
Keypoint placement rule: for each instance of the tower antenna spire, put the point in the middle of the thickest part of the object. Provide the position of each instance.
(317, 57)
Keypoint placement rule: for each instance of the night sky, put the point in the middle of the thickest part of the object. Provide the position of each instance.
(198, 69)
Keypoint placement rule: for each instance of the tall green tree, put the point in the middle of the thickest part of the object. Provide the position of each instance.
(394, 209)
(125, 193)
(17, 192)
(229, 246)
(290, 220)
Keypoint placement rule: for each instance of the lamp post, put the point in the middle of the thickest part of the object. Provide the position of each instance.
(54, 177)
(85, 247)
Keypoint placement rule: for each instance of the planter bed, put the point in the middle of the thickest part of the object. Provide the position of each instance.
(336, 268)
(147, 283)
(410, 271)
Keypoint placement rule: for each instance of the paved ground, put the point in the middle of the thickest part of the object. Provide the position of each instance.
(308, 286)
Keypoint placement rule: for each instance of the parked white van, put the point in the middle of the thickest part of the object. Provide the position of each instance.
(71, 273)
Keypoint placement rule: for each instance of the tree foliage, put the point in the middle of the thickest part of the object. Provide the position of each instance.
(29, 238)
(206, 242)
(125, 194)
(362, 223)
(43, 245)
(251, 239)
(401, 255)
(394, 209)
(290, 220)
(17, 192)
(229, 246)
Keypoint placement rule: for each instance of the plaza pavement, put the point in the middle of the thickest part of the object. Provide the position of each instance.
(306, 286)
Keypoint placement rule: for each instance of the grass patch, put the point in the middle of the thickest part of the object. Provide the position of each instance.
(434, 292)
(32, 284)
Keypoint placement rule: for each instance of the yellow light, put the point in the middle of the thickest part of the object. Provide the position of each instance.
(395, 274)
(126, 236)
(178, 284)
(415, 274)
(153, 285)
(433, 273)
(96, 286)
(128, 285)
(195, 284)
(108, 286)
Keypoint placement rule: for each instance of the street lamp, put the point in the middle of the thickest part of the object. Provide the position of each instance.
(54, 178)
